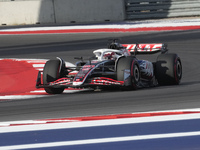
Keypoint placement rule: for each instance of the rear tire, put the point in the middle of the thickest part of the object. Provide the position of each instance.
(129, 63)
(51, 73)
(168, 69)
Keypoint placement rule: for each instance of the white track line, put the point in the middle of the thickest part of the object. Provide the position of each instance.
(5, 128)
(120, 25)
(8, 97)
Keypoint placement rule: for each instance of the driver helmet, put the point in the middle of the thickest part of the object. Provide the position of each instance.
(115, 46)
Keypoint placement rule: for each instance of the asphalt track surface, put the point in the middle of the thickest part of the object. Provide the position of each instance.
(91, 103)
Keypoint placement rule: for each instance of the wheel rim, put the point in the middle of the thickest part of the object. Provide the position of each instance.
(136, 74)
(179, 69)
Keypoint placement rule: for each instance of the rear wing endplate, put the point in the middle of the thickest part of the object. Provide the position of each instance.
(146, 48)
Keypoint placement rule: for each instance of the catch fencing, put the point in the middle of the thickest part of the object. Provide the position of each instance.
(148, 9)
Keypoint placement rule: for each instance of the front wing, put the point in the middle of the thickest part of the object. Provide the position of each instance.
(68, 82)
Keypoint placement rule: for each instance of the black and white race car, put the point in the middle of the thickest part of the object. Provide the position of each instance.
(115, 66)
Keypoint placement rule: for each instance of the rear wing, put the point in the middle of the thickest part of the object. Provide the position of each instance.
(146, 48)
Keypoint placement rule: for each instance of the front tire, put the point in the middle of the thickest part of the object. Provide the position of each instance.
(168, 69)
(51, 73)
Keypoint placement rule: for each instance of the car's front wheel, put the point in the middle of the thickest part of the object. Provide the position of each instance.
(51, 73)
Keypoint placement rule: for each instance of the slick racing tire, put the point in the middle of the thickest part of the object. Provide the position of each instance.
(51, 73)
(128, 71)
(168, 69)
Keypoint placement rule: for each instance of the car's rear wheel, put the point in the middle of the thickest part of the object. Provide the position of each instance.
(128, 71)
(51, 73)
(168, 69)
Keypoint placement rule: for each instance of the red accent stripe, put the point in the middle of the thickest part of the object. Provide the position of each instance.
(104, 30)
(118, 116)
(93, 118)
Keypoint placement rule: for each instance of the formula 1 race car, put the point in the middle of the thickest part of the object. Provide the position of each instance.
(115, 66)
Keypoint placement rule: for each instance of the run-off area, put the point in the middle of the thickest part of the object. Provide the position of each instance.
(18, 79)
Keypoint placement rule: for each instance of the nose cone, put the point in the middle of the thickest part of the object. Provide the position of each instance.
(77, 83)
